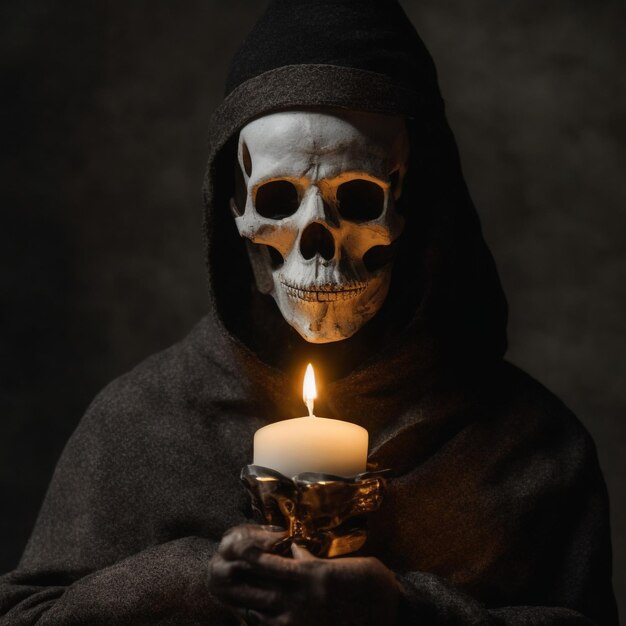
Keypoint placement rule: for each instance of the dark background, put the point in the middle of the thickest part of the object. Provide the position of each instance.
(104, 110)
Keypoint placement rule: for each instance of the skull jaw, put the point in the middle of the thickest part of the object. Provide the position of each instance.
(332, 320)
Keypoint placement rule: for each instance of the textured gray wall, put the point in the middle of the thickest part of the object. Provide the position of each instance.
(106, 107)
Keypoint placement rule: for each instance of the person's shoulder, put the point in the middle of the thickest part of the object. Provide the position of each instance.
(170, 385)
(536, 418)
(157, 374)
(526, 394)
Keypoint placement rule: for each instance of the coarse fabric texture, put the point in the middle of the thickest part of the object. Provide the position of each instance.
(497, 512)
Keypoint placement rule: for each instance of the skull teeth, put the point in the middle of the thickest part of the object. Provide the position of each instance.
(324, 293)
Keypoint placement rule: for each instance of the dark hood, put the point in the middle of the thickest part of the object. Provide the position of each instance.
(446, 301)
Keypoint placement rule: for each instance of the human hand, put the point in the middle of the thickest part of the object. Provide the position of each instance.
(277, 591)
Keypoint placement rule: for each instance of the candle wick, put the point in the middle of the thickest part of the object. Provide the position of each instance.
(309, 405)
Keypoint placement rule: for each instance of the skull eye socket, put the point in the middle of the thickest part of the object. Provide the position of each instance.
(379, 256)
(277, 199)
(360, 200)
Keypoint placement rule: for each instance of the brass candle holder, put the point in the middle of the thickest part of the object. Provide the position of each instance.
(324, 513)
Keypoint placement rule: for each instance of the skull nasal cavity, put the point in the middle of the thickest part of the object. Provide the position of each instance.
(316, 239)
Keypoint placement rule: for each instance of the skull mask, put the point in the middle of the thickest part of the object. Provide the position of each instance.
(320, 194)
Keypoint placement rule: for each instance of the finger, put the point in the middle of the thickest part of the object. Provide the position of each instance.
(279, 573)
(279, 568)
(222, 572)
(300, 553)
(272, 528)
(253, 529)
(244, 542)
(267, 569)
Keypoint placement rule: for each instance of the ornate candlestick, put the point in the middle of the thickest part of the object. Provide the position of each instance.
(324, 513)
(324, 508)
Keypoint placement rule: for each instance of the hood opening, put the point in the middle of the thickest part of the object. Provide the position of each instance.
(445, 293)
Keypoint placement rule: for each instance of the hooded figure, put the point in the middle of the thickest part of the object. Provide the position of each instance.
(497, 512)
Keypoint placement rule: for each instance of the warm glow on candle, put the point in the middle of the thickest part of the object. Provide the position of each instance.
(309, 390)
(311, 443)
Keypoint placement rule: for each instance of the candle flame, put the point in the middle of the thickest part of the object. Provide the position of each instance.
(309, 390)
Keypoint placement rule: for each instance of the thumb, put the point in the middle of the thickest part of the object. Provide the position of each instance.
(300, 553)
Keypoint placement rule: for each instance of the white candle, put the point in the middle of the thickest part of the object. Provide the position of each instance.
(312, 444)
